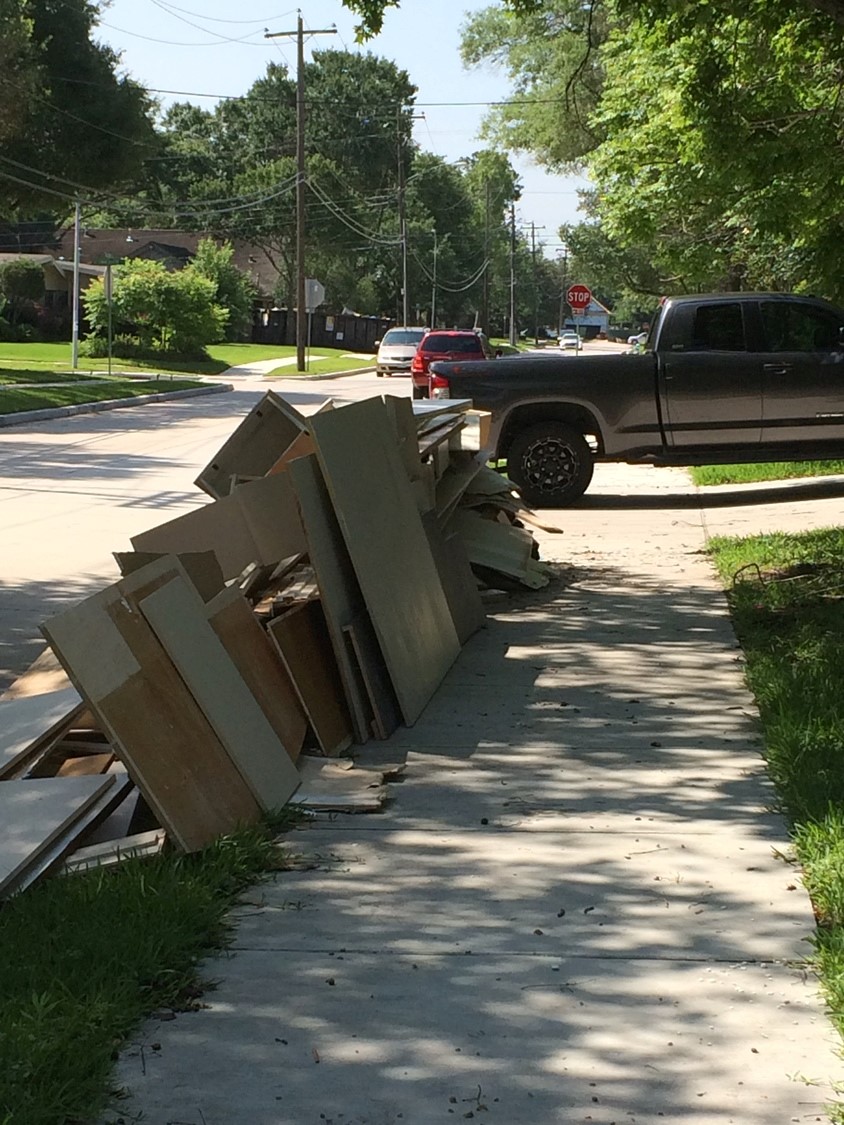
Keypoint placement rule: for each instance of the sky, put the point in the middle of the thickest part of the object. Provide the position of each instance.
(218, 47)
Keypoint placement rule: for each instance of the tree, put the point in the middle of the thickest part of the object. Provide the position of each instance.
(167, 312)
(65, 109)
(21, 284)
(234, 290)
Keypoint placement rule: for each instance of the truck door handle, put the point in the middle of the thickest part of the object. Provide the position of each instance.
(776, 368)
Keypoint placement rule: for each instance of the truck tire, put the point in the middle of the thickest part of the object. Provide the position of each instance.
(551, 463)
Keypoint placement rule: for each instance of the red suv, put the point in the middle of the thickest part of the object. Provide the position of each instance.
(447, 346)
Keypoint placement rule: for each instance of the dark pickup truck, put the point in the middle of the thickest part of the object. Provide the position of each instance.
(725, 378)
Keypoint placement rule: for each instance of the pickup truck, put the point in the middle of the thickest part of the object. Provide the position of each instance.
(724, 378)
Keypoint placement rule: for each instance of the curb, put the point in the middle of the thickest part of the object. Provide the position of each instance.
(316, 378)
(50, 412)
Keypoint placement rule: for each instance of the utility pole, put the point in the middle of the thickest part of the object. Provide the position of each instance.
(402, 218)
(513, 274)
(485, 297)
(77, 251)
(533, 230)
(301, 314)
(434, 286)
(563, 288)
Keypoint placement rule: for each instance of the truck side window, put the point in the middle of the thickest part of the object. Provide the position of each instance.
(718, 328)
(792, 327)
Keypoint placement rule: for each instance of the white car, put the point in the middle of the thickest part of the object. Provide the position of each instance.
(568, 340)
(397, 349)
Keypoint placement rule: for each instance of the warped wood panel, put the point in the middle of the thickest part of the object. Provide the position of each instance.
(35, 813)
(176, 614)
(201, 567)
(151, 719)
(301, 637)
(339, 590)
(261, 668)
(28, 723)
(455, 570)
(379, 688)
(372, 497)
(492, 544)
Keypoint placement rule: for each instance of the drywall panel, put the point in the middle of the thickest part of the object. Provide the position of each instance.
(151, 719)
(358, 454)
(301, 637)
(261, 668)
(455, 571)
(379, 689)
(176, 614)
(28, 723)
(201, 567)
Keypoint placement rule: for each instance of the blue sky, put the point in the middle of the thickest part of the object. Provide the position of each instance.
(218, 47)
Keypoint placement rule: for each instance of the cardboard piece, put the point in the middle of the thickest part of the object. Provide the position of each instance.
(301, 637)
(177, 616)
(385, 539)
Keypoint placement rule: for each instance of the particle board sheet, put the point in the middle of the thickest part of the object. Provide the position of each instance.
(379, 688)
(401, 413)
(254, 446)
(491, 544)
(201, 567)
(458, 580)
(43, 675)
(151, 719)
(110, 852)
(35, 814)
(339, 589)
(454, 483)
(383, 531)
(423, 409)
(301, 637)
(30, 723)
(258, 523)
(258, 663)
(177, 616)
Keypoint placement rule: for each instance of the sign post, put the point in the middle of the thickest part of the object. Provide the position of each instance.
(579, 298)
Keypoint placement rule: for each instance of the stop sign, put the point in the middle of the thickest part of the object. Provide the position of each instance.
(578, 296)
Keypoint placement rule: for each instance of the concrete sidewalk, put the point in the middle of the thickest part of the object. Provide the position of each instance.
(577, 906)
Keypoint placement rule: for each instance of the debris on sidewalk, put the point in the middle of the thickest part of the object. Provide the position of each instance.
(314, 603)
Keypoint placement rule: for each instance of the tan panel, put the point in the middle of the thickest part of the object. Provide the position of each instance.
(379, 689)
(461, 589)
(29, 723)
(176, 614)
(492, 544)
(260, 666)
(383, 531)
(303, 644)
(201, 567)
(153, 723)
(339, 590)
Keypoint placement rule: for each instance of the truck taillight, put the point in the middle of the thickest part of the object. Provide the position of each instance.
(438, 387)
(417, 364)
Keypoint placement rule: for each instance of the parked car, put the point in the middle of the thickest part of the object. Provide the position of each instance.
(442, 345)
(638, 341)
(569, 340)
(397, 349)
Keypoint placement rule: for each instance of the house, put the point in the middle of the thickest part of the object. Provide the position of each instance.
(594, 319)
(58, 275)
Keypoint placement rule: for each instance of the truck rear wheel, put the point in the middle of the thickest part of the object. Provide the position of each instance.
(551, 463)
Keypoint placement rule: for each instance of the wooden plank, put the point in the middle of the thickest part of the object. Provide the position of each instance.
(88, 765)
(455, 571)
(30, 723)
(261, 668)
(34, 814)
(254, 445)
(110, 852)
(176, 614)
(491, 544)
(339, 590)
(455, 481)
(201, 567)
(45, 674)
(301, 636)
(151, 719)
(386, 541)
(376, 678)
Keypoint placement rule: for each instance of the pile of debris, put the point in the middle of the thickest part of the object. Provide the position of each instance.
(316, 602)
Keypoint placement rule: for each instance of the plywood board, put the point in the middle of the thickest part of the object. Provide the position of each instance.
(400, 411)
(455, 571)
(456, 480)
(339, 590)
(109, 852)
(29, 723)
(492, 544)
(383, 531)
(201, 567)
(269, 508)
(177, 617)
(35, 813)
(254, 446)
(301, 637)
(43, 675)
(376, 678)
(301, 446)
(259, 665)
(151, 719)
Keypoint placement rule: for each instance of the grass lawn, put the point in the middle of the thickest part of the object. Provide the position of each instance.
(786, 595)
(86, 957)
(17, 375)
(776, 470)
(39, 398)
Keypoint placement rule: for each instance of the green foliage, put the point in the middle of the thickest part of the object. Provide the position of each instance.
(235, 290)
(168, 312)
(21, 283)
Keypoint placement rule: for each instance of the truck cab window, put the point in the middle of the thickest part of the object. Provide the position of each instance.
(718, 328)
(798, 328)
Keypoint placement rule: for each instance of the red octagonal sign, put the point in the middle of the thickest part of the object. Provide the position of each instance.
(578, 296)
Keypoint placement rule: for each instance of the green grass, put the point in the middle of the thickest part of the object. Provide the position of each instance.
(18, 375)
(327, 366)
(775, 470)
(786, 594)
(86, 957)
(40, 398)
